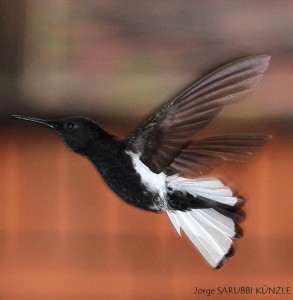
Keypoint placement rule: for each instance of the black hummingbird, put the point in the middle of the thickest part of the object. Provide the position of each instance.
(156, 166)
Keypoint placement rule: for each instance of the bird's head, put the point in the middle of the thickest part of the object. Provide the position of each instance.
(80, 134)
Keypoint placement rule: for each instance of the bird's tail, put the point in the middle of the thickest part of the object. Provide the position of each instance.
(211, 220)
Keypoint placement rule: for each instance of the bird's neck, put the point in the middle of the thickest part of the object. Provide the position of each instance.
(97, 145)
(103, 149)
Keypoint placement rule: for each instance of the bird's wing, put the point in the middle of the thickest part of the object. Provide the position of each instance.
(163, 136)
(202, 155)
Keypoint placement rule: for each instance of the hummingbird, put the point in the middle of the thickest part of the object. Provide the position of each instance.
(159, 167)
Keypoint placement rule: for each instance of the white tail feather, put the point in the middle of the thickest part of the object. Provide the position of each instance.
(208, 234)
(174, 221)
(211, 188)
(210, 231)
(222, 223)
(223, 240)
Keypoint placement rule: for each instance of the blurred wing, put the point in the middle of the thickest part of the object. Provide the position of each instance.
(164, 135)
(202, 155)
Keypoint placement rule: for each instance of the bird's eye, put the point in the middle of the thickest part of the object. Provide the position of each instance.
(70, 125)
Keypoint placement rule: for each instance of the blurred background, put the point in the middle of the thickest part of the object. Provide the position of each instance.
(63, 233)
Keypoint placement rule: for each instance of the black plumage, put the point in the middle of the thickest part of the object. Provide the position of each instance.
(154, 168)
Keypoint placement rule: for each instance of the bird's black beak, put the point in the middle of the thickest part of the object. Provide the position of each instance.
(48, 123)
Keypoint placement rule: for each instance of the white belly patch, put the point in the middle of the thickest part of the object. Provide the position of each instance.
(154, 182)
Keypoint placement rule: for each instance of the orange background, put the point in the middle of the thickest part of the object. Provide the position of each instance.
(65, 235)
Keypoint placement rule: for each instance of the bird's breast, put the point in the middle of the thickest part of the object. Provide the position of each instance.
(133, 181)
